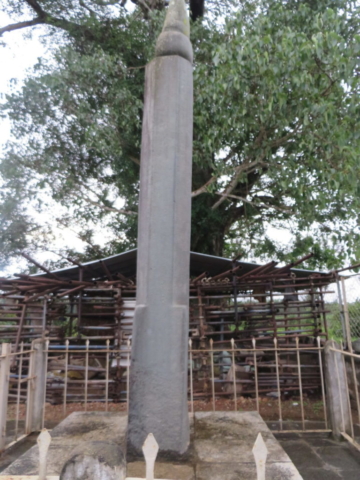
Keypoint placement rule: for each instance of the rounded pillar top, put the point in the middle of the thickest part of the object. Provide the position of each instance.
(174, 38)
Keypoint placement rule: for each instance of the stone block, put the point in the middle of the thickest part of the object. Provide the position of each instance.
(95, 460)
(229, 437)
(77, 428)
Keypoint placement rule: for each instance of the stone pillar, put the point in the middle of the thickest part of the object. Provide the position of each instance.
(159, 361)
(36, 389)
(4, 390)
(337, 391)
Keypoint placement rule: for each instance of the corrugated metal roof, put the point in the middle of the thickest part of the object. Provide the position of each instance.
(125, 263)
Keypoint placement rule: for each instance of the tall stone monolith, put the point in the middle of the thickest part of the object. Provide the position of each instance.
(159, 361)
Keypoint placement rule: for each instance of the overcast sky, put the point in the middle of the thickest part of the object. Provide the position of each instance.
(17, 57)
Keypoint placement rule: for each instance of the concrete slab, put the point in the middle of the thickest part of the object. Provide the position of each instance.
(221, 447)
(318, 456)
(76, 428)
(317, 474)
(15, 451)
(229, 438)
(345, 461)
(162, 470)
(245, 471)
(304, 452)
(237, 418)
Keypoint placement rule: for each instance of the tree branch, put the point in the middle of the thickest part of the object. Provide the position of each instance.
(46, 19)
(213, 179)
(36, 7)
(100, 205)
(87, 199)
(258, 205)
(18, 26)
(134, 159)
(108, 209)
(90, 10)
(238, 171)
(203, 189)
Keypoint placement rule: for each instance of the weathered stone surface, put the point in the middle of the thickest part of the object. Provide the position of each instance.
(319, 457)
(95, 460)
(221, 448)
(223, 443)
(235, 418)
(230, 437)
(162, 470)
(243, 471)
(91, 426)
(174, 38)
(77, 428)
(158, 375)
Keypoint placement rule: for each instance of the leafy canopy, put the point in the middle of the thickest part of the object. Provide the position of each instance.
(276, 140)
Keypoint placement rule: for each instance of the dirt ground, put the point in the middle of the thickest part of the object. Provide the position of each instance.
(269, 408)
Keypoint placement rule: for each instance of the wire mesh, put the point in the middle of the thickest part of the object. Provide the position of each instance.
(352, 292)
(344, 305)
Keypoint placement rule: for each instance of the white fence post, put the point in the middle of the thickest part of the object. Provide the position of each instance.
(43, 440)
(150, 450)
(260, 454)
(4, 390)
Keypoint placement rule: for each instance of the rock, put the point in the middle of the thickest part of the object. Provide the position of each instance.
(356, 346)
(95, 461)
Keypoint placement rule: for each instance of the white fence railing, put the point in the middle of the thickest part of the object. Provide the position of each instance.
(92, 373)
(150, 451)
(347, 374)
(18, 388)
(292, 371)
(282, 376)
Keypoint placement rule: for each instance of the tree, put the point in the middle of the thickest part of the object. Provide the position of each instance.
(276, 140)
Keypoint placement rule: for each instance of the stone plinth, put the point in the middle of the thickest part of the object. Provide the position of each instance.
(223, 443)
(221, 447)
(77, 428)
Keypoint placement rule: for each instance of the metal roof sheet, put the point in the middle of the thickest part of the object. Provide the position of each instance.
(125, 263)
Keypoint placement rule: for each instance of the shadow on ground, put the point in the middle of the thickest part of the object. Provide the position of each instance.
(318, 457)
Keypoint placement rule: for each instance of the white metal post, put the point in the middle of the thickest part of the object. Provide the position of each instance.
(212, 373)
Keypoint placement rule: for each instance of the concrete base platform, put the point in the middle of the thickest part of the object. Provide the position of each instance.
(76, 428)
(221, 447)
(223, 443)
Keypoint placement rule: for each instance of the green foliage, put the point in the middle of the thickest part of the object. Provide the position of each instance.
(335, 323)
(275, 128)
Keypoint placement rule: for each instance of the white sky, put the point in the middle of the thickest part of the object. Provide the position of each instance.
(17, 57)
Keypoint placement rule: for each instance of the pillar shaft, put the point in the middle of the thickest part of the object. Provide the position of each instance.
(159, 364)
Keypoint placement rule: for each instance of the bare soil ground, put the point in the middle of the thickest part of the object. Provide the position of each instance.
(269, 408)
